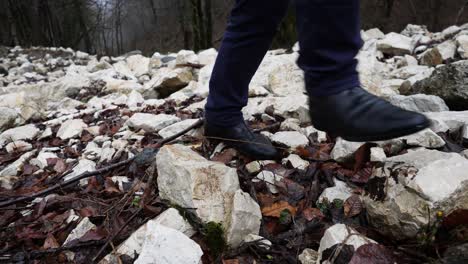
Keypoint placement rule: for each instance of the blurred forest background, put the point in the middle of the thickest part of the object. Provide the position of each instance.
(117, 26)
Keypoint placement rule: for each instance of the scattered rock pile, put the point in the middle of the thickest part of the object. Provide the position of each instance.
(66, 112)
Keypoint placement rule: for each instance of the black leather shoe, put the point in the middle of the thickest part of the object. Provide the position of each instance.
(243, 139)
(356, 115)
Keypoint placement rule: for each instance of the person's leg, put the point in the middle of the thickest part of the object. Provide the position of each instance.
(251, 28)
(329, 37)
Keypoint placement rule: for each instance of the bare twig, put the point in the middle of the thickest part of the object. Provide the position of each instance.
(96, 172)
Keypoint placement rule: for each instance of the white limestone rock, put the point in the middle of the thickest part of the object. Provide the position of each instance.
(168, 246)
(373, 33)
(450, 31)
(171, 218)
(316, 134)
(8, 175)
(292, 139)
(339, 234)
(447, 120)
(18, 146)
(396, 44)
(41, 159)
(344, 150)
(419, 102)
(138, 65)
(71, 129)
(208, 56)
(135, 99)
(308, 256)
(340, 191)
(271, 179)
(189, 180)
(83, 166)
(377, 154)
(256, 166)
(462, 42)
(447, 49)
(186, 57)
(245, 219)
(296, 161)
(179, 126)
(262, 242)
(428, 181)
(7, 118)
(151, 123)
(27, 132)
(134, 244)
(426, 138)
(80, 230)
(431, 57)
(167, 81)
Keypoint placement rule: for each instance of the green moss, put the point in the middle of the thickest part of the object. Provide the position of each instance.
(214, 237)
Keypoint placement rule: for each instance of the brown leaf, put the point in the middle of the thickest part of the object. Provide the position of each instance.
(361, 157)
(94, 234)
(373, 254)
(312, 213)
(29, 169)
(87, 212)
(265, 199)
(275, 209)
(60, 166)
(294, 190)
(352, 206)
(50, 242)
(225, 156)
(110, 187)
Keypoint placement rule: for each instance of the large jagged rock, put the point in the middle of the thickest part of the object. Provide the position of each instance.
(167, 81)
(447, 120)
(168, 246)
(344, 150)
(450, 82)
(419, 102)
(187, 179)
(462, 42)
(422, 183)
(133, 246)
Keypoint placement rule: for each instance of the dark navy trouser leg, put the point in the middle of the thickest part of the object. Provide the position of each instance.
(329, 38)
(251, 28)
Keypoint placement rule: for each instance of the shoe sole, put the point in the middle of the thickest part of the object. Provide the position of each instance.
(389, 136)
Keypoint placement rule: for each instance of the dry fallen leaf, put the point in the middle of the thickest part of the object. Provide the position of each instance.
(50, 242)
(230, 261)
(312, 213)
(275, 209)
(352, 206)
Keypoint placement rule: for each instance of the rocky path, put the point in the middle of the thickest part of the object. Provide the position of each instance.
(65, 113)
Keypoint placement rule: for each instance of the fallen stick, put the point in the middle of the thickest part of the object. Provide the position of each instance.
(96, 172)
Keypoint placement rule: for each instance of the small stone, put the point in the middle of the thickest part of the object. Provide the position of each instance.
(262, 242)
(41, 159)
(178, 127)
(27, 132)
(340, 191)
(377, 155)
(208, 56)
(271, 179)
(462, 42)
(151, 123)
(255, 166)
(450, 31)
(447, 49)
(317, 135)
(171, 218)
(18, 146)
(83, 166)
(341, 234)
(308, 256)
(396, 44)
(9, 174)
(135, 99)
(245, 219)
(296, 161)
(373, 33)
(80, 230)
(71, 129)
(186, 57)
(344, 150)
(292, 139)
(419, 103)
(426, 138)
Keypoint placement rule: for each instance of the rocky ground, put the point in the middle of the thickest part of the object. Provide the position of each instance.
(65, 113)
